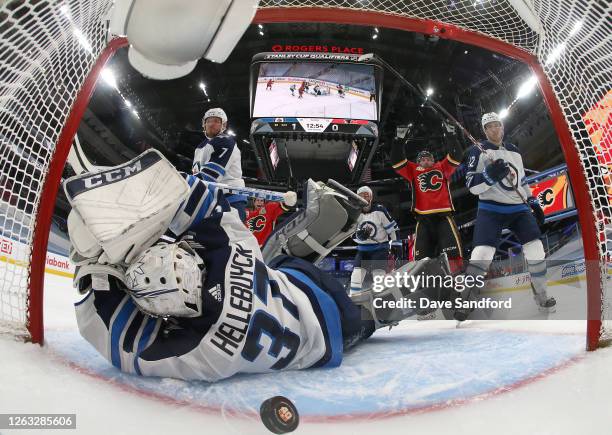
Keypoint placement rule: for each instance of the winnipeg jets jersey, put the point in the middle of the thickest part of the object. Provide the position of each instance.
(379, 223)
(255, 319)
(497, 196)
(218, 159)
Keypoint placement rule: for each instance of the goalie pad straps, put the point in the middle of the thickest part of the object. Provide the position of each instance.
(126, 208)
(99, 274)
(312, 243)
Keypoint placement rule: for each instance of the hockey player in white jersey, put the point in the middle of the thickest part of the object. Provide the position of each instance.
(197, 303)
(375, 229)
(218, 158)
(497, 177)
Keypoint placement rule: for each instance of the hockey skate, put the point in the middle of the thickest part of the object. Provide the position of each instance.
(545, 304)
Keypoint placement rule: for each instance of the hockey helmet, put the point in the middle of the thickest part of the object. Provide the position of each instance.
(490, 117)
(365, 189)
(424, 153)
(215, 112)
(166, 280)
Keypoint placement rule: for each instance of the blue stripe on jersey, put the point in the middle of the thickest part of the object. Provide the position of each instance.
(215, 167)
(209, 174)
(390, 225)
(502, 208)
(330, 313)
(190, 178)
(371, 246)
(210, 171)
(144, 339)
(194, 198)
(202, 211)
(117, 329)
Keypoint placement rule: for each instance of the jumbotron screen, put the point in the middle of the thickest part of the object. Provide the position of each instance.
(316, 90)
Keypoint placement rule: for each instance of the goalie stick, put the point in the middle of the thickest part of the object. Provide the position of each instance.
(81, 164)
(437, 107)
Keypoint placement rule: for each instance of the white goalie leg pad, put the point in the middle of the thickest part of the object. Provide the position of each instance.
(128, 207)
(327, 219)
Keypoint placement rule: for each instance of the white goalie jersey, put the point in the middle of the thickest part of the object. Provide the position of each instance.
(255, 319)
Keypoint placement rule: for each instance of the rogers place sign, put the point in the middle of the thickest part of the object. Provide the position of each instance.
(317, 48)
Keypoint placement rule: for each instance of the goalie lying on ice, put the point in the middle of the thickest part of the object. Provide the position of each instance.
(175, 285)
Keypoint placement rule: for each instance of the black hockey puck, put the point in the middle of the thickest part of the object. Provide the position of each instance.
(279, 415)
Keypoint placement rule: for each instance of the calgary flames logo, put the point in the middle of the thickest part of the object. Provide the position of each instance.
(431, 180)
(257, 223)
(546, 197)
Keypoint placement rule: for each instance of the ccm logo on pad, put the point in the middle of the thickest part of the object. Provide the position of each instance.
(82, 184)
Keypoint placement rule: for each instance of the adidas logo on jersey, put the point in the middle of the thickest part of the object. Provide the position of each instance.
(215, 292)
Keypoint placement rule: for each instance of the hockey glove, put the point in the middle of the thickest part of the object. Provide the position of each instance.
(536, 209)
(449, 128)
(496, 171)
(290, 198)
(362, 234)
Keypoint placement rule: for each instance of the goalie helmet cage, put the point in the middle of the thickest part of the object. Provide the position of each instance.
(51, 54)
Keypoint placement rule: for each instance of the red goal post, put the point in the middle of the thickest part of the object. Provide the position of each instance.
(51, 54)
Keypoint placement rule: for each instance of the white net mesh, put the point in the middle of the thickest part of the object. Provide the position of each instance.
(576, 54)
(47, 49)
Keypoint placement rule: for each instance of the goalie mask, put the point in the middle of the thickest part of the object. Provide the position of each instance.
(166, 280)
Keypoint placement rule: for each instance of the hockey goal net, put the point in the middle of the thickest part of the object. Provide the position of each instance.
(51, 53)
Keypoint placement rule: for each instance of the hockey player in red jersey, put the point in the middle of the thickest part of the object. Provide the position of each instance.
(262, 217)
(436, 231)
(269, 84)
